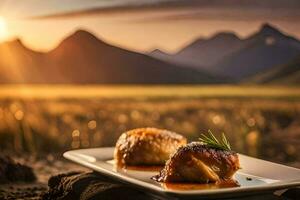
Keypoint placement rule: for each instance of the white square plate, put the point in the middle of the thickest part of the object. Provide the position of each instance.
(265, 176)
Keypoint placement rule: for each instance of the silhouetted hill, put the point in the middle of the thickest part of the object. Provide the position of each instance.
(157, 53)
(226, 55)
(262, 51)
(284, 74)
(83, 58)
(203, 53)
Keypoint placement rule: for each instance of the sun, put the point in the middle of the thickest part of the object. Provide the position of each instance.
(3, 28)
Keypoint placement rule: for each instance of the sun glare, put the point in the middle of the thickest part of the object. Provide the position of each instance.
(3, 28)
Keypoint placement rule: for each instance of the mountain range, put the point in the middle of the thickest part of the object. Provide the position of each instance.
(82, 58)
(267, 56)
(237, 59)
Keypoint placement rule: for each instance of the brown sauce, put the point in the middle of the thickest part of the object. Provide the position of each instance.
(144, 168)
(200, 186)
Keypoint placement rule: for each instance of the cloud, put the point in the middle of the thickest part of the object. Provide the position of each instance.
(229, 9)
(64, 8)
(232, 14)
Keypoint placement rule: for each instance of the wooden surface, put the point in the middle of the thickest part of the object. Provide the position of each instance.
(93, 186)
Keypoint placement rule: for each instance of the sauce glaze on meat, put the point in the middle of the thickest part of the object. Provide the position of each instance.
(196, 162)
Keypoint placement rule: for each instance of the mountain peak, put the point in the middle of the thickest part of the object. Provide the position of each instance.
(268, 29)
(15, 43)
(225, 35)
(218, 36)
(158, 53)
(82, 34)
(79, 38)
(155, 51)
(82, 37)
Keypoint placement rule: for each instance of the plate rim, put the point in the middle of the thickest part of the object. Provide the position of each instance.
(130, 180)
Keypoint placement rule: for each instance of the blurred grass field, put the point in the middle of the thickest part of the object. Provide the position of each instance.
(135, 91)
(259, 121)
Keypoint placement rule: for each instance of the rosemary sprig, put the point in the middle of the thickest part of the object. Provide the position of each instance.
(211, 141)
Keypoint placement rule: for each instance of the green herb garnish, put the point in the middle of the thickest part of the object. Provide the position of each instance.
(211, 141)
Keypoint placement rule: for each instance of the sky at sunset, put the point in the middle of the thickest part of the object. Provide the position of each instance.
(142, 25)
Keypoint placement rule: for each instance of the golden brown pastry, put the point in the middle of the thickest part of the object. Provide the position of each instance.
(146, 146)
(197, 162)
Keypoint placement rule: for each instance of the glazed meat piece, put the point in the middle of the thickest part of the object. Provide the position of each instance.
(200, 163)
(146, 146)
